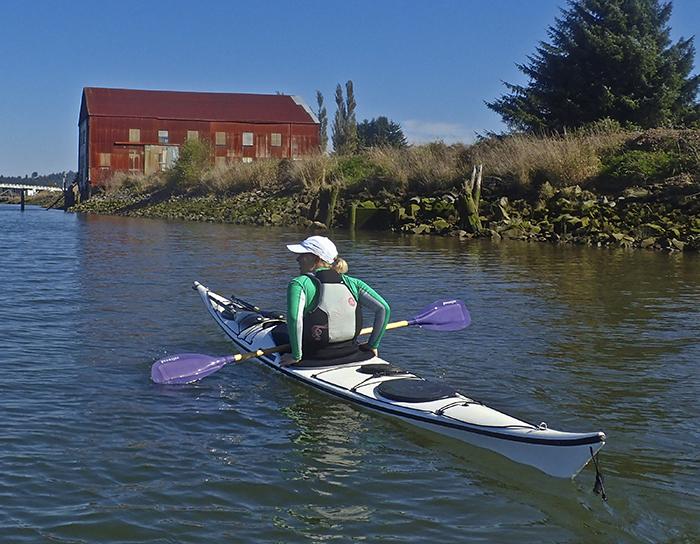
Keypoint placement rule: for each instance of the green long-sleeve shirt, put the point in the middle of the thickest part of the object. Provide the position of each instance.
(302, 295)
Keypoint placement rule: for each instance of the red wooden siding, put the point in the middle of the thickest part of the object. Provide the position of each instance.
(108, 149)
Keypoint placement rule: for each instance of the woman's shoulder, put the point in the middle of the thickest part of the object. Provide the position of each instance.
(302, 280)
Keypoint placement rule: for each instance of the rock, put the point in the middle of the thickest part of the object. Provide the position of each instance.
(513, 233)
(648, 242)
(421, 229)
(501, 209)
(635, 192)
(441, 224)
(677, 244)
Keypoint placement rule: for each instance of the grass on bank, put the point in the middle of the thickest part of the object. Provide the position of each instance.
(601, 157)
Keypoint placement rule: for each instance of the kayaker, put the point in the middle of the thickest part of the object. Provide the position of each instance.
(324, 307)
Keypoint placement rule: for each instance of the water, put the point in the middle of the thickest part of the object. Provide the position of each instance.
(91, 451)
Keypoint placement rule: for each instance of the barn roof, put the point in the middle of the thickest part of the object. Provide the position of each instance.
(237, 107)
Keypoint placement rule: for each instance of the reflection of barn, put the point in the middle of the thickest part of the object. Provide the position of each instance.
(124, 130)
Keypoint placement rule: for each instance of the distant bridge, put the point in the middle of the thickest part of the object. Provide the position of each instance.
(23, 188)
(20, 186)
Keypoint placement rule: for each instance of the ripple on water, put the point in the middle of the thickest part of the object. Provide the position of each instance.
(583, 339)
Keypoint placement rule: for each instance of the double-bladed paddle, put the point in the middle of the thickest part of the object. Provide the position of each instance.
(441, 315)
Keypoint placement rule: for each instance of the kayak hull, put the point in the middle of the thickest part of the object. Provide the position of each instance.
(556, 453)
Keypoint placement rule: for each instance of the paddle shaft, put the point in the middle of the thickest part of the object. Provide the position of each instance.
(286, 347)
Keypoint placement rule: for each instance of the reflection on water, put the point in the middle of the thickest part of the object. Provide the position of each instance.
(584, 339)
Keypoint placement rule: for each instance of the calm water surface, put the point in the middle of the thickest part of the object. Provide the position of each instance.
(584, 339)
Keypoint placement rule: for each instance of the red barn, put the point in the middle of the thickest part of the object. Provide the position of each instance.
(126, 130)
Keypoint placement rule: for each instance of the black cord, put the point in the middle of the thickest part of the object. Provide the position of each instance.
(598, 487)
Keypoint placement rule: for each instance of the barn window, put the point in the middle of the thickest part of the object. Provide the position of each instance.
(134, 134)
(135, 161)
(220, 161)
(247, 139)
(105, 159)
(192, 135)
(220, 138)
(162, 136)
(276, 139)
(247, 159)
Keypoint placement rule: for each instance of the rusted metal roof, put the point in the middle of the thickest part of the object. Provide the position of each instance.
(237, 107)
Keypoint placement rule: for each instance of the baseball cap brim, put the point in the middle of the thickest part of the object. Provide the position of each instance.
(298, 248)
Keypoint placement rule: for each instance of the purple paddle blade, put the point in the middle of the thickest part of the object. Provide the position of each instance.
(443, 315)
(186, 367)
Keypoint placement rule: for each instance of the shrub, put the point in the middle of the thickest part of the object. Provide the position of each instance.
(637, 167)
(353, 170)
(194, 160)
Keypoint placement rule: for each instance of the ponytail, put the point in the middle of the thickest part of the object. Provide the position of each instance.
(340, 265)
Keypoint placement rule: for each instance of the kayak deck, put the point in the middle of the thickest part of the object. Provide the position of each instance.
(378, 385)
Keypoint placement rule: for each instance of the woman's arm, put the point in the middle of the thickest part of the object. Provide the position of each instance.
(296, 302)
(369, 298)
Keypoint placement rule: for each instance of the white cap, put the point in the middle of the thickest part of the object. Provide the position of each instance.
(320, 246)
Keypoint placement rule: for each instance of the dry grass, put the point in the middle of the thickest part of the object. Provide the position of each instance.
(135, 182)
(418, 169)
(312, 172)
(572, 159)
(241, 176)
(523, 160)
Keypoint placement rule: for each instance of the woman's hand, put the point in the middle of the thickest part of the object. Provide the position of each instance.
(287, 360)
(365, 347)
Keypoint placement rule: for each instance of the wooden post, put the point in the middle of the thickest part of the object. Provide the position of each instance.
(468, 202)
(353, 215)
(21, 200)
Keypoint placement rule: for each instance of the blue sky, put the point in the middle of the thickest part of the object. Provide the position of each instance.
(426, 64)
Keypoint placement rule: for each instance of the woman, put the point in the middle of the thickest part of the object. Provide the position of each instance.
(324, 315)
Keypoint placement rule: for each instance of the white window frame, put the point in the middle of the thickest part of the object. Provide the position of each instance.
(134, 135)
(192, 135)
(276, 139)
(220, 138)
(248, 138)
(163, 137)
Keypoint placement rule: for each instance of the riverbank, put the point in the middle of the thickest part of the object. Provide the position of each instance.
(663, 216)
(597, 187)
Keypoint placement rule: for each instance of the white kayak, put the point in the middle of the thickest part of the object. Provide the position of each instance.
(378, 385)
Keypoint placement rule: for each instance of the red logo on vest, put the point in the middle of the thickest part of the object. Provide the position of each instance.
(317, 332)
(351, 302)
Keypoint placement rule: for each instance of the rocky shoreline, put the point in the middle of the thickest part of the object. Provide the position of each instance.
(663, 217)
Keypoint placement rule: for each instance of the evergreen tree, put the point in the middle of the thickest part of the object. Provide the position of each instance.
(381, 132)
(338, 135)
(344, 136)
(607, 59)
(323, 121)
(351, 141)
